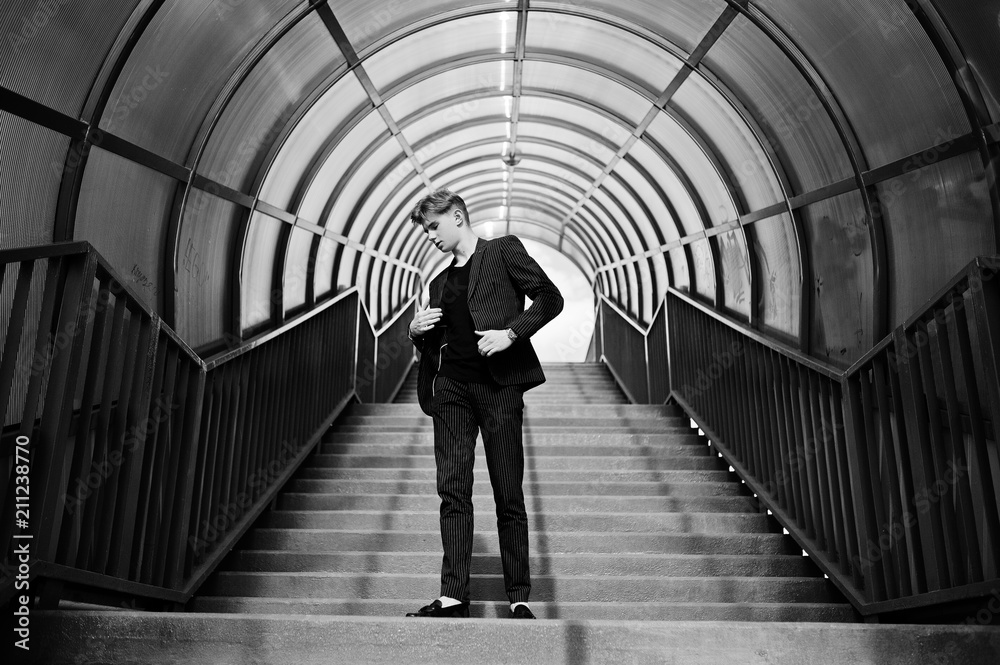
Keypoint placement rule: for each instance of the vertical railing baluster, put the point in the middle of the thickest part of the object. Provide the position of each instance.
(848, 511)
(814, 465)
(83, 450)
(985, 295)
(770, 444)
(160, 506)
(915, 411)
(894, 490)
(968, 544)
(864, 479)
(238, 493)
(202, 498)
(50, 454)
(940, 493)
(190, 440)
(980, 467)
(156, 443)
(840, 516)
(871, 457)
(821, 453)
(41, 358)
(15, 328)
(790, 461)
(801, 460)
(741, 435)
(103, 434)
(112, 476)
(913, 554)
(135, 447)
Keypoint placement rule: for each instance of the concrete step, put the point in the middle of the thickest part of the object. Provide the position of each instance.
(563, 504)
(426, 425)
(595, 420)
(340, 540)
(572, 399)
(576, 612)
(531, 411)
(291, 637)
(595, 381)
(532, 438)
(619, 563)
(689, 462)
(390, 446)
(567, 588)
(534, 475)
(405, 519)
(531, 487)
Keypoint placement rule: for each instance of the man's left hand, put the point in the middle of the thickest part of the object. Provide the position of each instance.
(493, 341)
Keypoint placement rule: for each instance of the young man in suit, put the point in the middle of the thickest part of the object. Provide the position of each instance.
(476, 362)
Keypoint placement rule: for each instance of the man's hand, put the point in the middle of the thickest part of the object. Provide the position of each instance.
(493, 341)
(424, 321)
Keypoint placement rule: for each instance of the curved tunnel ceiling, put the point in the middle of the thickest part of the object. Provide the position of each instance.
(817, 169)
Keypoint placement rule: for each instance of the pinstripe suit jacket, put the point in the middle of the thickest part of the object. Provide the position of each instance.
(501, 274)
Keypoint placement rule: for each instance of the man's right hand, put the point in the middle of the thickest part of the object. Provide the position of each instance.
(424, 321)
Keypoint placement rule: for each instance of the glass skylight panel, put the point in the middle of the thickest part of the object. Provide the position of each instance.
(780, 273)
(205, 239)
(368, 170)
(696, 165)
(483, 114)
(365, 22)
(735, 272)
(471, 160)
(859, 47)
(680, 200)
(453, 40)
(259, 256)
(296, 268)
(337, 106)
(483, 79)
(301, 60)
(127, 227)
(617, 50)
(543, 234)
(791, 114)
(653, 199)
(683, 22)
(715, 119)
(370, 130)
(587, 88)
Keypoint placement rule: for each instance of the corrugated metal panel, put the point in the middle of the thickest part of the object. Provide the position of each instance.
(31, 170)
(51, 52)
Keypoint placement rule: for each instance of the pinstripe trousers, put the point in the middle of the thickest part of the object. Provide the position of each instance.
(461, 410)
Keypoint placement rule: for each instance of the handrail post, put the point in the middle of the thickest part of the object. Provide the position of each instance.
(985, 287)
(181, 555)
(861, 488)
(50, 454)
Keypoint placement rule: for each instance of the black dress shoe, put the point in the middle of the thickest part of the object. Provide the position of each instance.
(522, 612)
(436, 610)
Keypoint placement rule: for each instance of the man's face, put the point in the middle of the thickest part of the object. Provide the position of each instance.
(443, 229)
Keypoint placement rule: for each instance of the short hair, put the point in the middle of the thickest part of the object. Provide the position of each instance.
(436, 203)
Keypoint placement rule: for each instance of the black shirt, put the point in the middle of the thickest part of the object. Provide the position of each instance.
(461, 360)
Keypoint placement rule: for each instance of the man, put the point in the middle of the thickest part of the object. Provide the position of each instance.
(476, 362)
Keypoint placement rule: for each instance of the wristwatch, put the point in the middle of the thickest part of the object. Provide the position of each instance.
(511, 335)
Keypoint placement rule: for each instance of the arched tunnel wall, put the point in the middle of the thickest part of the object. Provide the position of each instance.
(815, 168)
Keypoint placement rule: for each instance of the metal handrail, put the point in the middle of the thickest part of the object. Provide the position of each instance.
(148, 462)
(882, 471)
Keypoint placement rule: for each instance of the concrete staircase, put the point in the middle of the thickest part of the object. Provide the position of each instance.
(630, 518)
(645, 548)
